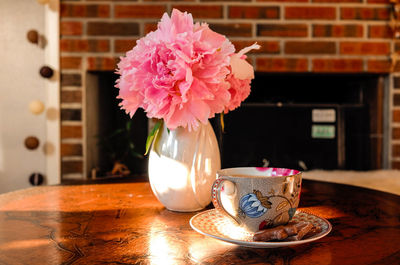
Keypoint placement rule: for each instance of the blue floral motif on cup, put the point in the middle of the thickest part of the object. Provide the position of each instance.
(252, 206)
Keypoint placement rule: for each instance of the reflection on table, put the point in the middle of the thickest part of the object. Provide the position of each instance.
(123, 223)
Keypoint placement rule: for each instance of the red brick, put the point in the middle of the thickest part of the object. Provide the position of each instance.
(71, 28)
(365, 48)
(378, 1)
(101, 63)
(302, 12)
(396, 165)
(233, 29)
(282, 30)
(71, 149)
(337, 1)
(148, 27)
(71, 114)
(337, 65)
(224, 0)
(380, 31)
(169, 0)
(71, 96)
(382, 66)
(78, 45)
(124, 45)
(281, 65)
(396, 115)
(70, 62)
(139, 11)
(82, 10)
(69, 167)
(266, 46)
(97, 28)
(285, 1)
(310, 47)
(329, 30)
(379, 66)
(254, 12)
(396, 133)
(71, 131)
(71, 79)
(202, 11)
(396, 150)
(396, 82)
(364, 13)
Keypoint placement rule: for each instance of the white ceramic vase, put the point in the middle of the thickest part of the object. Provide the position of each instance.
(182, 167)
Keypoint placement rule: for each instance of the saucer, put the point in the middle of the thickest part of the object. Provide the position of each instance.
(216, 225)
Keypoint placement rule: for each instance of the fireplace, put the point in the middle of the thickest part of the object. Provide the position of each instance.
(301, 40)
(302, 121)
(307, 121)
(111, 135)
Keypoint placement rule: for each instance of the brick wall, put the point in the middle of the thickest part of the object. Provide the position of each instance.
(330, 36)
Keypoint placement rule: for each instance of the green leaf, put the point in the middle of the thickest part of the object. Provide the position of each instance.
(135, 154)
(129, 125)
(152, 135)
(115, 133)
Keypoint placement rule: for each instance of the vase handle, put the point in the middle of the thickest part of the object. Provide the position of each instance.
(216, 197)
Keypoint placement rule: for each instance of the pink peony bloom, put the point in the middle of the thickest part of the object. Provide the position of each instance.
(179, 73)
(240, 78)
(239, 91)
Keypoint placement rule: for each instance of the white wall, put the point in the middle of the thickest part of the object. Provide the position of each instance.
(20, 83)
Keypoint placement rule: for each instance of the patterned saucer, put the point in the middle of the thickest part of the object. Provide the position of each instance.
(214, 224)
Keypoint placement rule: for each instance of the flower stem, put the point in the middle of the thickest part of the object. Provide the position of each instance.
(152, 135)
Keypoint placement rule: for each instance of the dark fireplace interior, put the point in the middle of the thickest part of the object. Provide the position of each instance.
(111, 134)
(306, 121)
(301, 121)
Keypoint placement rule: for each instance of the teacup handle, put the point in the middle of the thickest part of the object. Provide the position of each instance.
(216, 197)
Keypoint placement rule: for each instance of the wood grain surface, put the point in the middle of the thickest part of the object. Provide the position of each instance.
(123, 223)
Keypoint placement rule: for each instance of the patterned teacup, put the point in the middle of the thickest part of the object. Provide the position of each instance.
(257, 197)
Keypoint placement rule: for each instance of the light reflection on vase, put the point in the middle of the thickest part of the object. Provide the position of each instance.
(182, 167)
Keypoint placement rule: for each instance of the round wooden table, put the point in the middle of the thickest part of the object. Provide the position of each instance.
(123, 223)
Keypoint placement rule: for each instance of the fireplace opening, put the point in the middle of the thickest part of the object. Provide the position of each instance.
(307, 121)
(302, 121)
(111, 135)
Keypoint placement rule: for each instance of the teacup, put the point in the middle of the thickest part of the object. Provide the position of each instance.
(257, 197)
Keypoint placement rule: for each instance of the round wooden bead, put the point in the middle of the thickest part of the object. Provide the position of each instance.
(33, 36)
(36, 107)
(36, 179)
(31, 142)
(46, 72)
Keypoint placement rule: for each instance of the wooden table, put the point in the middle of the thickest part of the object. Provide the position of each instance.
(123, 223)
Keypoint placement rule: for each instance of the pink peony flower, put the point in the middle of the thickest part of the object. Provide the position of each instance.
(182, 73)
(239, 91)
(240, 78)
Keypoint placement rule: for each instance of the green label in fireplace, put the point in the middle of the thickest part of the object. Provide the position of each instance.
(323, 131)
